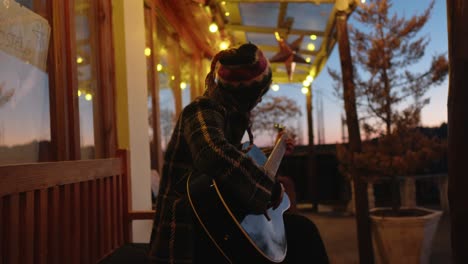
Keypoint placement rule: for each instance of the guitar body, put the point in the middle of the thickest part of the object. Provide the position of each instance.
(252, 239)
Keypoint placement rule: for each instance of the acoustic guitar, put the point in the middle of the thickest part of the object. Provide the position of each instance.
(255, 238)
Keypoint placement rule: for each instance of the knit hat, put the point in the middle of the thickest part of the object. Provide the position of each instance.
(243, 72)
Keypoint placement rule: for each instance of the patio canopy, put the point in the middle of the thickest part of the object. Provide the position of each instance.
(296, 35)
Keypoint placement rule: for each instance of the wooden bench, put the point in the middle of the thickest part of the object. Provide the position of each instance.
(65, 212)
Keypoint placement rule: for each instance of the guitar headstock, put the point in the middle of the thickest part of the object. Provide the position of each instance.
(279, 127)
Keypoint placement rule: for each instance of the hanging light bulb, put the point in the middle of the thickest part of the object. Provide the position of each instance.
(183, 85)
(305, 90)
(314, 37)
(88, 97)
(213, 27)
(147, 52)
(309, 78)
(307, 59)
(223, 45)
(306, 83)
(79, 60)
(311, 46)
(275, 87)
(227, 14)
(159, 67)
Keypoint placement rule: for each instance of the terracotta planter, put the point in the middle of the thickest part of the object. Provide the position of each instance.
(405, 239)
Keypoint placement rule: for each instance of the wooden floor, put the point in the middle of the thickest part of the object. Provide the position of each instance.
(338, 231)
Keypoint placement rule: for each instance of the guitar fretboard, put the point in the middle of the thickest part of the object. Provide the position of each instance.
(274, 160)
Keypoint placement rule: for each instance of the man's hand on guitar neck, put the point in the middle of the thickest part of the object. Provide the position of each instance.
(277, 195)
(290, 141)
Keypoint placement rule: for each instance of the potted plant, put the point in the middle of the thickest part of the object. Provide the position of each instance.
(399, 233)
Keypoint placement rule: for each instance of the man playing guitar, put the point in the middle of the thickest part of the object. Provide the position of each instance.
(205, 147)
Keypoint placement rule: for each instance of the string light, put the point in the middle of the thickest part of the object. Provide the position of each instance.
(307, 59)
(363, 1)
(305, 90)
(213, 27)
(306, 83)
(159, 67)
(311, 46)
(275, 87)
(183, 85)
(79, 60)
(88, 97)
(172, 77)
(79, 93)
(224, 45)
(227, 14)
(309, 78)
(314, 37)
(147, 52)
(277, 35)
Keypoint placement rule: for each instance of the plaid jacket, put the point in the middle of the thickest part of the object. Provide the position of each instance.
(206, 139)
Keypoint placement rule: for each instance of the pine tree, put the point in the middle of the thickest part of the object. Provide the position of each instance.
(385, 47)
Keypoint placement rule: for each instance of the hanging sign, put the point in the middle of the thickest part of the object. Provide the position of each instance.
(24, 34)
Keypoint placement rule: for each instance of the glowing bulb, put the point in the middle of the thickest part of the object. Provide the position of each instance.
(159, 67)
(147, 52)
(305, 90)
(277, 36)
(275, 87)
(311, 46)
(88, 97)
(79, 93)
(224, 45)
(183, 85)
(307, 59)
(223, 2)
(313, 37)
(213, 27)
(172, 77)
(306, 83)
(363, 1)
(79, 60)
(227, 14)
(309, 78)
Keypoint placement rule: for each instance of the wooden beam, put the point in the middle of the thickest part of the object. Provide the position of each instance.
(317, 2)
(366, 255)
(457, 18)
(270, 30)
(141, 215)
(37, 176)
(276, 48)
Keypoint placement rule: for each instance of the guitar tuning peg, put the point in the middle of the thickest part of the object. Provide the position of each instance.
(279, 127)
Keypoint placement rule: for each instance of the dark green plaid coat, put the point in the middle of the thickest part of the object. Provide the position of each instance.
(206, 139)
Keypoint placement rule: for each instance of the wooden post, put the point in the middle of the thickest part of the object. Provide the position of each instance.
(312, 171)
(457, 19)
(366, 254)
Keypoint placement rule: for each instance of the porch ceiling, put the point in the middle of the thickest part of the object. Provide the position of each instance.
(257, 21)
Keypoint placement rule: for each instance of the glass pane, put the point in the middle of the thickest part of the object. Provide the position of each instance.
(24, 85)
(166, 97)
(86, 66)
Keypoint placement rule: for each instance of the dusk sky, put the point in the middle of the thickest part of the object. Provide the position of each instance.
(432, 115)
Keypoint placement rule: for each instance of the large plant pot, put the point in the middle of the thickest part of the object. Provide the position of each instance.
(404, 239)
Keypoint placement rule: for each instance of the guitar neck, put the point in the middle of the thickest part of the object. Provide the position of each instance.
(274, 160)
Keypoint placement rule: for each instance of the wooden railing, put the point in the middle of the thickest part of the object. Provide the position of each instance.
(64, 212)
